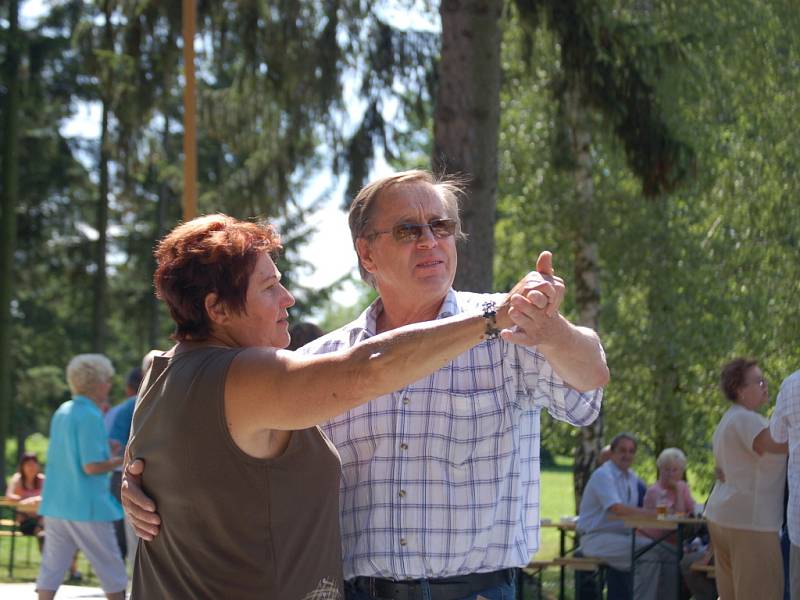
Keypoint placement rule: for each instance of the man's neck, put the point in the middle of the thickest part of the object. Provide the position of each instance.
(397, 313)
(622, 470)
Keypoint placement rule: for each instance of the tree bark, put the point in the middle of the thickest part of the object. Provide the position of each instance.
(8, 222)
(101, 224)
(466, 122)
(99, 308)
(154, 327)
(587, 275)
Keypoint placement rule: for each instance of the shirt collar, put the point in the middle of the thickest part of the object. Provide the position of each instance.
(368, 320)
(619, 472)
(83, 400)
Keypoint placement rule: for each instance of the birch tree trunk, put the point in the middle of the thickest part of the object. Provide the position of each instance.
(587, 276)
(466, 122)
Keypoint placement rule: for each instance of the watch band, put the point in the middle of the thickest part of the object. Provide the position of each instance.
(490, 314)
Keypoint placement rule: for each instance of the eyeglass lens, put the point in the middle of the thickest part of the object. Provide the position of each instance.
(411, 232)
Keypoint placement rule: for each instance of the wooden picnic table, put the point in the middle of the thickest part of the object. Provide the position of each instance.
(10, 526)
(669, 523)
(565, 526)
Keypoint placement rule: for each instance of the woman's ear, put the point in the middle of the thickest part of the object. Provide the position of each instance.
(216, 310)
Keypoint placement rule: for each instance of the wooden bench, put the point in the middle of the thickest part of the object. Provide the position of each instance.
(580, 563)
(700, 567)
(532, 573)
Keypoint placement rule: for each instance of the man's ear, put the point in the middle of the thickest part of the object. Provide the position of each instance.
(364, 251)
(216, 310)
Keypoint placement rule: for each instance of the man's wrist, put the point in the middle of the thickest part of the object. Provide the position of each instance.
(491, 330)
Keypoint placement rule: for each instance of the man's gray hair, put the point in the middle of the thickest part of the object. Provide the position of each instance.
(85, 371)
(361, 209)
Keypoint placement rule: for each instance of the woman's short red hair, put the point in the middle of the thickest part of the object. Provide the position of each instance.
(210, 254)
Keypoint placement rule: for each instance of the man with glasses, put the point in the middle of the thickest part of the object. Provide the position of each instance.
(440, 480)
(440, 485)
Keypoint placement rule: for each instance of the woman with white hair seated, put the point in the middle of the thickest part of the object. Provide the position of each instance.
(77, 504)
(670, 493)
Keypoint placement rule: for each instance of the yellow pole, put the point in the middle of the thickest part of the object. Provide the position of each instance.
(189, 18)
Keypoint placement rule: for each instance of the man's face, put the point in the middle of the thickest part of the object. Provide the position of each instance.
(412, 272)
(623, 454)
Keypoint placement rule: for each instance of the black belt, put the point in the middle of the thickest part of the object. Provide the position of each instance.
(445, 588)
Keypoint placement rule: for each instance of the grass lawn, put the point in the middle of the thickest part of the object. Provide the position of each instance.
(557, 500)
(26, 562)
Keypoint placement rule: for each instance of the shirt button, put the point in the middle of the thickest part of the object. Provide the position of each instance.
(403, 541)
(402, 493)
(406, 400)
(403, 446)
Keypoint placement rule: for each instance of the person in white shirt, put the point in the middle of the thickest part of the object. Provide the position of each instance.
(745, 511)
(785, 427)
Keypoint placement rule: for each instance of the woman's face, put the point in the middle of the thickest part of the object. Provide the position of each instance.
(670, 473)
(264, 321)
(30, 468)
(754, 392)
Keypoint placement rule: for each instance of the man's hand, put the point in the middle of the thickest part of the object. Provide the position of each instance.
(574, 352)
(140, 509)
(541, 287)
(534, 304)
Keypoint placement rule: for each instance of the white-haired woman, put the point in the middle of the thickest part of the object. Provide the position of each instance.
(671, 491)
(77, 504)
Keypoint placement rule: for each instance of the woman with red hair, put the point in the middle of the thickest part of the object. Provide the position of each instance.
(245, 481)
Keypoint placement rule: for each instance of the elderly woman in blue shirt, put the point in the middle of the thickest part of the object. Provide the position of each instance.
(77, 505)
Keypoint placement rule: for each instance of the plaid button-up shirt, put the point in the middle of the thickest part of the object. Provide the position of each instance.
(441, 478)
(785, 427)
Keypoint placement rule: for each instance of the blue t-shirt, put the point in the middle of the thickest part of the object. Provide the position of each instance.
(77, 438)
(120, 428)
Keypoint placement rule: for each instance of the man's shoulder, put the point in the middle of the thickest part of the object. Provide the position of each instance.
(343, 337)
(791, 385)
(601, 473)
(473, 300)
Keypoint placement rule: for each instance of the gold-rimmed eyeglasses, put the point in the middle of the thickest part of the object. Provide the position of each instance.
(411, 232)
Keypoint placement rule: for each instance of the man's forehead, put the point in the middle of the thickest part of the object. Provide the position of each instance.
(409, 198)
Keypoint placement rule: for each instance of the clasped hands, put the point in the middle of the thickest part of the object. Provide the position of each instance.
(534, 304)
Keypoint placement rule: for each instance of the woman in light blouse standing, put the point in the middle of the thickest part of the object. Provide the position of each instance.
(745, 510)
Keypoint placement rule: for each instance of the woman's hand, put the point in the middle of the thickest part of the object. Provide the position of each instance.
(141, 509)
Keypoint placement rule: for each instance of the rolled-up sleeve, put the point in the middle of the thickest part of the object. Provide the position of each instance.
(547, 390)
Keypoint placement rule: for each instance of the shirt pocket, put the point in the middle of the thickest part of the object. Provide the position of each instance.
(474, 426)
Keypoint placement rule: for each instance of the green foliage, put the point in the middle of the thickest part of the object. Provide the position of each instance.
(617, 63)
(695, 277)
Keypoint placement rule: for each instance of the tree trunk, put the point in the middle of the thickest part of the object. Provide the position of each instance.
(154, 328)
(466, 122)
(8, 222)
(101, 224)
(661, 303)
(587, 276)
(99, 308)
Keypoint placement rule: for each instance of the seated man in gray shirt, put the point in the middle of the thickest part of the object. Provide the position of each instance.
(612, 491)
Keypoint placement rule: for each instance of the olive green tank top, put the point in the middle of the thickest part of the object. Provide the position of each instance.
(232, 526)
